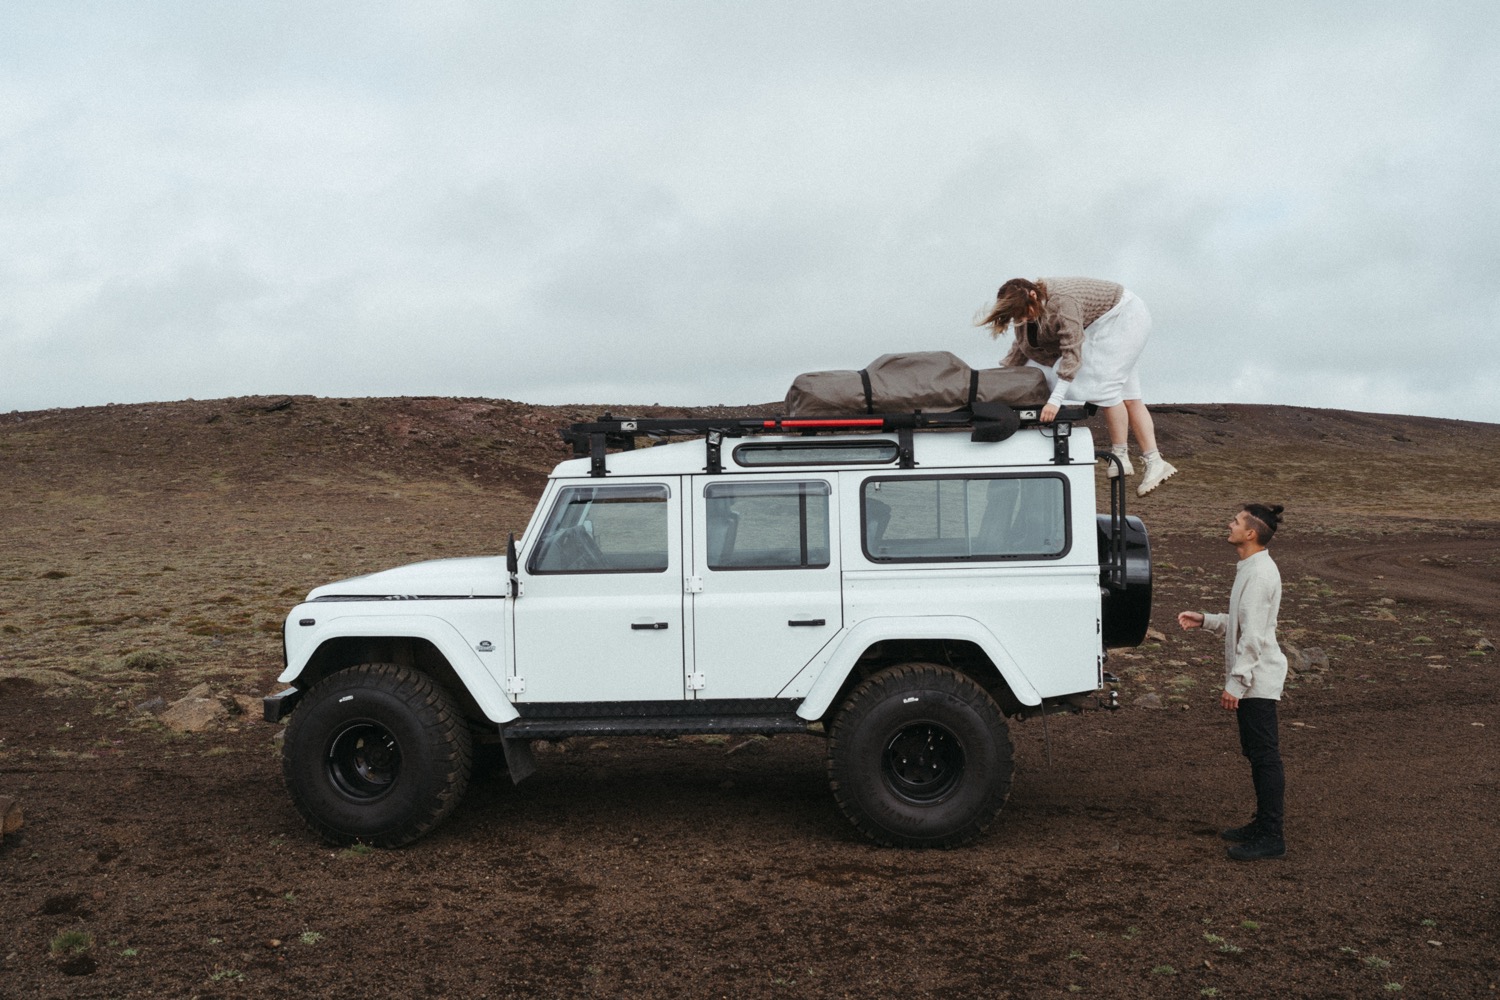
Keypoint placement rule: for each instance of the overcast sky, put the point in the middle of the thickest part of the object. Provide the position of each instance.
(692, 202)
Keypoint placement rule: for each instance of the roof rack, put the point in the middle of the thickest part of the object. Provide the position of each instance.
(986, 421)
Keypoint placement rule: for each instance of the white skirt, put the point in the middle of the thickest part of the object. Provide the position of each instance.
(1112, 347)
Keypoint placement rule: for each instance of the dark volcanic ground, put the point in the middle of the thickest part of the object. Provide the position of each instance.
(182, 532)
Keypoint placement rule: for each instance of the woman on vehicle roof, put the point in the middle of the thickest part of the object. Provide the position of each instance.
(1086, 335)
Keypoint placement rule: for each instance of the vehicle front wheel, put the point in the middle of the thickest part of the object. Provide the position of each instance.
(920, 756)
(376, 753)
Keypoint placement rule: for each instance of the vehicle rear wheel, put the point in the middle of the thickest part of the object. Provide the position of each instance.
(376, 753)
(920, 756)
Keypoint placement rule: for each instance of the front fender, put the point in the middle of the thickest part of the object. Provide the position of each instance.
(828, 673)
(304, 641)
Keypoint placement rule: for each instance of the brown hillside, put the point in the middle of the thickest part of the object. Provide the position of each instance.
(147, 549)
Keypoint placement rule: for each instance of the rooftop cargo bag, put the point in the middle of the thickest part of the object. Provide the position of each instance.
(900, 383)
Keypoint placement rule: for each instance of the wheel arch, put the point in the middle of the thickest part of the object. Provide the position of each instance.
(962, 644)
(425, 646)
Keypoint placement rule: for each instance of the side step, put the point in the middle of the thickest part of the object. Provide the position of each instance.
(556, 729)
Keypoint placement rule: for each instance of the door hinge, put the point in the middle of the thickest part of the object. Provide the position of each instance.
(692, 585)
(695, 682)
(515, 685)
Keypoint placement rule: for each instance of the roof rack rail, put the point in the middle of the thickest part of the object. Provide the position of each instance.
(987, 421)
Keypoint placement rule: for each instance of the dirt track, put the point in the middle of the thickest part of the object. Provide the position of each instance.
(700, 868)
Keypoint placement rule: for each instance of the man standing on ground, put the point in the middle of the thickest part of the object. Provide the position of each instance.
(1254, 672)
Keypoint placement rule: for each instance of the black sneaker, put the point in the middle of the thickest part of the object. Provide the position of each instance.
(1241, 834)
(1258, 849)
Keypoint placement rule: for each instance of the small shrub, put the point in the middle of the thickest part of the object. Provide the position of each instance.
(74, 942)
(1377, 963)
(149, 660)
(1163, 970)
(1250, 925)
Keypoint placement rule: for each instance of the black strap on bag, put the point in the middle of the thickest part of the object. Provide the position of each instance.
(973, 388)
(864, 377)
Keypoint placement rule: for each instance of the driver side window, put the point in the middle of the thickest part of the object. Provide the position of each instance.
(605, 529)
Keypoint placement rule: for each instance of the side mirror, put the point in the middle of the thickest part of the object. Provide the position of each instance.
(512, 565)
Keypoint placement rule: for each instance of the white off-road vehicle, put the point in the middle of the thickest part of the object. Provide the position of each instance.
(897, 585)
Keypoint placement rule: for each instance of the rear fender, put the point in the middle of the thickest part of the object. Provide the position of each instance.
(825, 676)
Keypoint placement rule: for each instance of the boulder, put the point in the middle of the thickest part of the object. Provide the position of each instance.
(1311, 660)
(10, 815)
(1152, 700)
(195, 711)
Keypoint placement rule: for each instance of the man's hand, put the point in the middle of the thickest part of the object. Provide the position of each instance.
(1049, 413)
(1228, 701)
(1190, 619)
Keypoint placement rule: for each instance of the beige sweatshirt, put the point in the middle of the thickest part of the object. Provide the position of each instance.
(1254, 665)
(1072, 304)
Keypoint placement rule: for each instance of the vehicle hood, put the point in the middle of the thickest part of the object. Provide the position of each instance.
(479, 576)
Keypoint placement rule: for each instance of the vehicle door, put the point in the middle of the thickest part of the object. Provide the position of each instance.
(764, 585)
(600, 615)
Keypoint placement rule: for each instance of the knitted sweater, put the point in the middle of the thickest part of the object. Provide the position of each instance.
(1254, 665)
(1071, 305)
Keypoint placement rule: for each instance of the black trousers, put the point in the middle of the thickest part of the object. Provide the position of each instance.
(1259, 744)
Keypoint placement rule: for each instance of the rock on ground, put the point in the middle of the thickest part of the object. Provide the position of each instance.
(10, 815)
(195, 711)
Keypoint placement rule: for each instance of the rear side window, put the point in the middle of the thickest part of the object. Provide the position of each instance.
(875, 452)
(605, 529)
(960, 518)
(781, 525)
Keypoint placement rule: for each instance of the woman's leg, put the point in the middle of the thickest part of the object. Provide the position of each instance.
(1117, 419)
(1141, 423)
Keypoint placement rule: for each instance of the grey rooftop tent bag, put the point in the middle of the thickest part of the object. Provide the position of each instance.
(900, 383)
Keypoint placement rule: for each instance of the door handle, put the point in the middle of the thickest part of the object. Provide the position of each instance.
(648, 626)
(807, 621)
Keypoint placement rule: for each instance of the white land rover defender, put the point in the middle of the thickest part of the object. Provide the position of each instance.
(898, 585)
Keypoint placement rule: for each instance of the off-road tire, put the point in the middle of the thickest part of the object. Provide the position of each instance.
(377, 754)
(920, 756)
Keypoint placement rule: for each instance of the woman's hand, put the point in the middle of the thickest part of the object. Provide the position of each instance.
(1049, 413)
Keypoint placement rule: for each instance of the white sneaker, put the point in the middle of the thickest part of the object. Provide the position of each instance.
(1123, 454)
(1158, 471)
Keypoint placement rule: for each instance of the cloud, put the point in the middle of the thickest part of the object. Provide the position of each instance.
(677, 203)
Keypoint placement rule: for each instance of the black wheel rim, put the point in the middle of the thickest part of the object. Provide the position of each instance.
(923, 762)
(364, 759)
